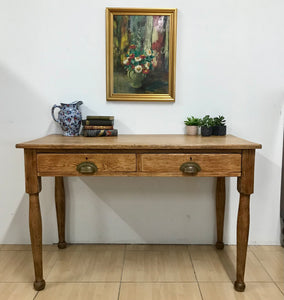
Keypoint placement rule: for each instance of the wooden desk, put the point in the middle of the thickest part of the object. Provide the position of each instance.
(139, 155)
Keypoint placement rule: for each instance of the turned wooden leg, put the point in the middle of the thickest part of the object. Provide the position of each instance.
(60, 211)
(33, 187)
(36, 240)
(242, 240)
(245, 188)
(220, 211)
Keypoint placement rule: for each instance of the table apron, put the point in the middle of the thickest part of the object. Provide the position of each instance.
(137, 164)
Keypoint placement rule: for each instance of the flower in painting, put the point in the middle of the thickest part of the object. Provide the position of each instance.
(139, 60)
(138, 69)
(148, 52)
(146, 71)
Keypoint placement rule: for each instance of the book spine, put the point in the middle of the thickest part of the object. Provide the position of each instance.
(100, 117)
(97, 122)
(90, 132)
(98, 127)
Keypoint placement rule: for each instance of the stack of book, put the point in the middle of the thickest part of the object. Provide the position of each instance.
(99, 126)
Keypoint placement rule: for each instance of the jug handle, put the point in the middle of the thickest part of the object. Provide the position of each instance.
(52, 111)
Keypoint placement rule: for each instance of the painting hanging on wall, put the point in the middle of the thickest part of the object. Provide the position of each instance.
(140, 54)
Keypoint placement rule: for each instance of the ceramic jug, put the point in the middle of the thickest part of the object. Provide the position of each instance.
(69, 117)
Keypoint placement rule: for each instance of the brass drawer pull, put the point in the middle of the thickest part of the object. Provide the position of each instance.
(87, 167)
(190, 168)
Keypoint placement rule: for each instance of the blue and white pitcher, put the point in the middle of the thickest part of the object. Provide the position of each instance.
(69, 117)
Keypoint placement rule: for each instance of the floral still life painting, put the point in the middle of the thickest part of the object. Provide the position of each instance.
(141, 54)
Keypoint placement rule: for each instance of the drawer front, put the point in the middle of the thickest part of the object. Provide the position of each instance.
(66, 164)
(210, 164)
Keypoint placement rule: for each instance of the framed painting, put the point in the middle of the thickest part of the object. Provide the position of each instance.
(140, 54)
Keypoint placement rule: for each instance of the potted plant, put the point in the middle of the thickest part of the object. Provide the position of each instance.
(206, 126)
(192, 125)
(219, 127)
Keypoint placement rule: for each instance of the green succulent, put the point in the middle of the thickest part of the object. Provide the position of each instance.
(192, 121)
(219, 121)
(207, 121)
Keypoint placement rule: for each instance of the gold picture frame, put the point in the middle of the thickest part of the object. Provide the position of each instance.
(140, 54)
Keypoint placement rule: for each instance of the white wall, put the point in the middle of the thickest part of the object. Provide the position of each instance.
(229, 61)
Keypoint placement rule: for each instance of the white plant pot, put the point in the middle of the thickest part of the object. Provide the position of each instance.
(191, 130)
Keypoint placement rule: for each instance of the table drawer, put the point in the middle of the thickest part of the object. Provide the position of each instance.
(210, 164)
(67, 164)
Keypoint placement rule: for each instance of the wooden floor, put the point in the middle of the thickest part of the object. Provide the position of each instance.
(141, 272)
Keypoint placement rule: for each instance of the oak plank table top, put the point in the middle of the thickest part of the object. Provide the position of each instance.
(137, 141)
(140, 155)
